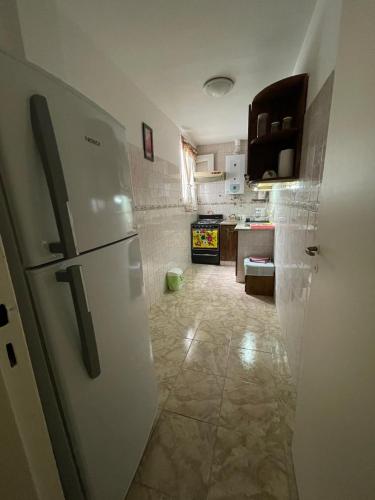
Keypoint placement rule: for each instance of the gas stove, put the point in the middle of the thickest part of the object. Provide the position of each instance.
(209, 220)
(205, 239)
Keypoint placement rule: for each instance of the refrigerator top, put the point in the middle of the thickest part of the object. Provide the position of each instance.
(64, 167)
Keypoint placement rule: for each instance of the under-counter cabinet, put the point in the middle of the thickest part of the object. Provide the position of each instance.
(252, 243)
(228, 242)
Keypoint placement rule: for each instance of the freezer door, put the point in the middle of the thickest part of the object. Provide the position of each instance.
(87, 163)
(109, 411)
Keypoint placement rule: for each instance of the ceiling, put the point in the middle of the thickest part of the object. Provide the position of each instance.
(169, 48)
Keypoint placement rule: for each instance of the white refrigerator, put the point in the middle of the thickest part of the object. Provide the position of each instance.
(65, 176)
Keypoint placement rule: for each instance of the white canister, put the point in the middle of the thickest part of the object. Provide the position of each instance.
(287, 122)
(286, 160)
(262, 124)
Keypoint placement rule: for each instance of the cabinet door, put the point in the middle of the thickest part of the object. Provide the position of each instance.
(228, 243)
(232, 247)
(223, 243)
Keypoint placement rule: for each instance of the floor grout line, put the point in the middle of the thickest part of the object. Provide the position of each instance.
(202, 283)
(180, 369)
(190, 417)
(217, 428)
(154, 489)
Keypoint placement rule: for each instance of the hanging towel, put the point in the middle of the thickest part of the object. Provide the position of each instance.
(260, 260)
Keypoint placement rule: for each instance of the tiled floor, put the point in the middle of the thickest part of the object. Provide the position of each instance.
(226, 401)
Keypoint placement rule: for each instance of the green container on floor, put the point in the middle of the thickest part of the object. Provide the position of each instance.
(175, 278)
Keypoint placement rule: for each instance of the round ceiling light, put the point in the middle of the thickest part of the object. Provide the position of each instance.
(218, 86)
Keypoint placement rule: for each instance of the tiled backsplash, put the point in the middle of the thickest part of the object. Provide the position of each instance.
(211, 195)
(163, 224)
(295, 212)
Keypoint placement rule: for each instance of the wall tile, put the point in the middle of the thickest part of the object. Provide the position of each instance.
(295, 213)
(162, 222)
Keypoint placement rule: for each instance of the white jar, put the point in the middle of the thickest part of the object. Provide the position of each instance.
(286, 161)
(262, 124)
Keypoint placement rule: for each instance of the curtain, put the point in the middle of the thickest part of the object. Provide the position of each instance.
(189, 190)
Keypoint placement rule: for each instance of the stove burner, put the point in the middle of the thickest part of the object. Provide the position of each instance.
(213, 219)
(208, 221)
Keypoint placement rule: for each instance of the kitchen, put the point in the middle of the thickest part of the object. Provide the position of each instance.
(178, 298)
(236, 210)
(78, 255)
(235, 179)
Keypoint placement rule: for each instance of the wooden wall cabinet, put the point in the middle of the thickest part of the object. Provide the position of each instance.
(228, 242)
(286, 97)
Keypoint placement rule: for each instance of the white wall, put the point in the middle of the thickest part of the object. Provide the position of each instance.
(53, 41)
(318, 52)
(162, 222)
(10, 32)
(15, 477)
(296, 210)
(27, 465)
(334, 445)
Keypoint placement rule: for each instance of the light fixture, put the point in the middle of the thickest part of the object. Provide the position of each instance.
(218, 86)
(272, 186)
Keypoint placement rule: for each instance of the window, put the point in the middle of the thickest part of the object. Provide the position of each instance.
(189, 191)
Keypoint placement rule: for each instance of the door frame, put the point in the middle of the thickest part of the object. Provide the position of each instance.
(61, 445)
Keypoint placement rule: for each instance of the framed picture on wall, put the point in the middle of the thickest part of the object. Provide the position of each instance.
(148, 143)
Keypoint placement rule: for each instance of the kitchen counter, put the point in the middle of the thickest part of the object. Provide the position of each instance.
(254, 242)
(252, 226)
(229, 222)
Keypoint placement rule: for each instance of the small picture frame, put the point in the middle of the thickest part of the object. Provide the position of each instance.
(148, 142)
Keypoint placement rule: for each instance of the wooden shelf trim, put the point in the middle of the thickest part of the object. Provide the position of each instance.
(279, 136)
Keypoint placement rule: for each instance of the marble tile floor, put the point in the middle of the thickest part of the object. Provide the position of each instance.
(226, 400)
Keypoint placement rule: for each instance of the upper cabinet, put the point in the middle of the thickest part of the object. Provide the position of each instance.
(275, 130)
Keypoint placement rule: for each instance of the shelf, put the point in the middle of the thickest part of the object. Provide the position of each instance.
(274, 179)
(286, 97)
(275, 137)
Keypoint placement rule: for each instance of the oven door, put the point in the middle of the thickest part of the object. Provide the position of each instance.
(205, 245)
(205, 238)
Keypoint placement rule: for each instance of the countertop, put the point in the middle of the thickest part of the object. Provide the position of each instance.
(252, 226)
(229, 222)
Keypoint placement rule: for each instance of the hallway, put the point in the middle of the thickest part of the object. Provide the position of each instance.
(225, 396)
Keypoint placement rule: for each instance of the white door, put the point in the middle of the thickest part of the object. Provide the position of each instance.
(86, 158)
(334, 443)
(27, 466)
(109, 417)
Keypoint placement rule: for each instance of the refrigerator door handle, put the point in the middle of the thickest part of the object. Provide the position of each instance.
(90, 356)
(47, 145)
